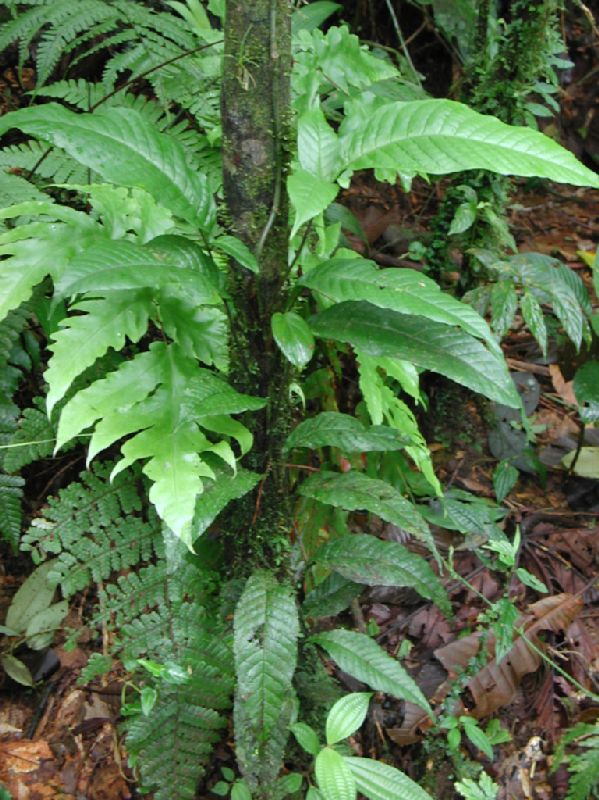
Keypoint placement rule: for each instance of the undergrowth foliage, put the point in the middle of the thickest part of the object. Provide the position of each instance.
(113, 246)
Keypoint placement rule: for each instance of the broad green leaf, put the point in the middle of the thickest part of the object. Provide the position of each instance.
(294, 337)
(218, 495)
(534, 318)
(477, 736)
(116, 266)
(346, 716)
(453, 353)
(41, 628)
(122, 146)
(355, 491)
(364, 559)
(317, 145)
(240, 791)
(265, 644)
(105, 322)
(379, 781)
(331, 596)
(16, 670)
(437, 137)
(309, 196)
(361, 657)
(237, 250)
(307, 738)
(32, 597)
(403, 290)
(334, 777)
(332, 429)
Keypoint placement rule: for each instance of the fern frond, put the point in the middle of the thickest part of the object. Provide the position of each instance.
(49, 163)
(95, 528)
(11, 493)
(34, 439)
(583, 764)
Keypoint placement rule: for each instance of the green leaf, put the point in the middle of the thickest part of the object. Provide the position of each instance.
(334, 777)
(294, 337)
(115, 266)
(477, 736)
(266, 632)
(505, 476)
(289, 784)
(438, 137)
(312, 16)
(307, 738)
(587, 463)
(163, 398)
(379, 781)
(239, 251)
(332, 429)
(346, 716)
(41, 628)
(586, 389)
(240, 791)
(331, 596)
(364, 559)
(317, 145)
(218, 495)
(309, 196)
(355, 491)
(122, 146)
(381, 332)
(148, 697)
(403, 290)
(530, 580)
(105, 322)
(532, 314)
(504, 302)
(16, 670)
(32, 597)
(362, 658)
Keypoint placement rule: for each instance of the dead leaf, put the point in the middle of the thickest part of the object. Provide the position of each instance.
(495, 685)
(564, 388)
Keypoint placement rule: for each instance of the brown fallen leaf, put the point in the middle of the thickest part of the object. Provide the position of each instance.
(494, 685)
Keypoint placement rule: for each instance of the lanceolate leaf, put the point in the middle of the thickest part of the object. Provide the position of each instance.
(440, 136)
(403, 290)
(121, 145)
(365, 559)
(331, 429)
(379, 781)
(355, 491)
(361, 657)
(266, 632)
(331, 596)
(380, 332)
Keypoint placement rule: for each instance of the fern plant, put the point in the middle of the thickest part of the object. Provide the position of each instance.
(582, 742)
(212, 323)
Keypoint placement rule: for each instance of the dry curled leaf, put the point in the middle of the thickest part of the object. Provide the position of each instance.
(494, 685)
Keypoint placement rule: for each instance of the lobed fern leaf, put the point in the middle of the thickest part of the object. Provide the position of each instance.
(11, 494)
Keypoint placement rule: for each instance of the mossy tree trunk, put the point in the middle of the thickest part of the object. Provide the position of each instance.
(255, 114)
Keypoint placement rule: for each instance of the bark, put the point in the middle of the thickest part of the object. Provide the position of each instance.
(255, 114)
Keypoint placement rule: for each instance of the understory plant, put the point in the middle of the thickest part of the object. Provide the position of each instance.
(241, 380)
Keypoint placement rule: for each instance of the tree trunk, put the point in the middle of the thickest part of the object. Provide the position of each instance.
(255, 114)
